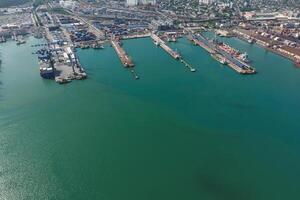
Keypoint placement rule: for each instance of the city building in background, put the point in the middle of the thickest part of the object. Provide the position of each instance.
(206, 1)
(140, 2)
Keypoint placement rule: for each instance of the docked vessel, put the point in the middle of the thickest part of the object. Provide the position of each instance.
(297, 63)
(46, 66)
(98, 47)
(233, 52)
(2, 39)
(156, 43)
(250, 41)
(63, 80)
(219, 58)
(244, 57)
(172, 38)
(19, 42)
(46, 70)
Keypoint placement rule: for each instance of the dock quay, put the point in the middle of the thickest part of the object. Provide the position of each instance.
(162, 44)
(201, 44)
(274, 45)
(159, 42)
(125, 59)
(58, 60)
(222, 56)
(135, 36)
(65, 73)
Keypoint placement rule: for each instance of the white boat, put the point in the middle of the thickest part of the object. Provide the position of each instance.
(250, 41)
(19, 42)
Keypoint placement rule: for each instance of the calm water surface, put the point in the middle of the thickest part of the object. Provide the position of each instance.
(173, 134)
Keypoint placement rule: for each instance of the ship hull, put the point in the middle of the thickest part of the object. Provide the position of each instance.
(47, 75)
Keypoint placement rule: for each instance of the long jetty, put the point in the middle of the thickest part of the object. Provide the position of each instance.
(162, 44)
(125, 59)
(233, 63)
(201, 44)
(159, 42)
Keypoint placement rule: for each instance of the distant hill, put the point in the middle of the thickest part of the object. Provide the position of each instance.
(5, 3)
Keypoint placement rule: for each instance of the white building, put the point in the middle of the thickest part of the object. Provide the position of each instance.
(145, 2)
(206, 1)
(68, 4)
(140, 2)
(132, 2)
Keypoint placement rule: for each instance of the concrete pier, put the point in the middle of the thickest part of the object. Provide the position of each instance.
(201, 44)
(162, 44)
(159, 42)
(188, 65)
(125, 59)
(136, 36)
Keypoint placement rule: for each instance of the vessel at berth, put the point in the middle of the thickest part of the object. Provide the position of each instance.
(250, 41)
(297, 63)
(219, 58)
(232, 52)
(19, 42)
(244, 57)
(46, 70)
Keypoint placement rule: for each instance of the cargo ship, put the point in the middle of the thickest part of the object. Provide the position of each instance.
(45, 63)
(46, 70)
(233, 52)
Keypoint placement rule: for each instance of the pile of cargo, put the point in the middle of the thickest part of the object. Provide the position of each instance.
(82, 35)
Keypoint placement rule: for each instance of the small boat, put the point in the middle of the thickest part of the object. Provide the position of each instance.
(244, 57)
(2, 39)
(19, 42)
(297, 63)
(98, 47)
(219, 58)
(250, 41)
(63, 80)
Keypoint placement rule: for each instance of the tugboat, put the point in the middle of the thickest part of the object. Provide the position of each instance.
(19, 42)
(156, 43)
(219, 58)
(244, 57)
(250, 41)
(98, 46)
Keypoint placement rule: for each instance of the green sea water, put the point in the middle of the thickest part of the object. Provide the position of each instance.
(172, 134)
